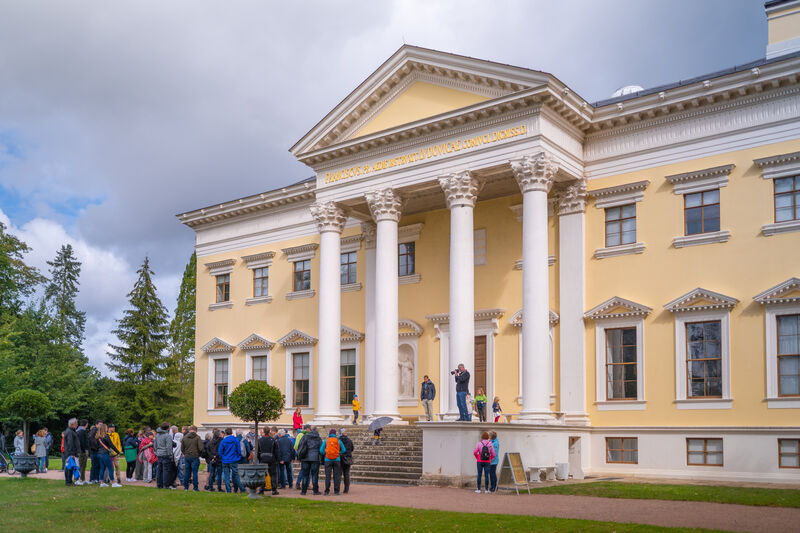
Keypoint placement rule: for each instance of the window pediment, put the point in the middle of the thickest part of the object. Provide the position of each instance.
(701, 300)
(263, 259)
(408, 328)
(256, 342)
(300, 253)
(217, 268)
(217, 345)
(351, 335)
(700, 180)
(787, 292)
(516, 319)
(779, 166)
(617, 307)
(297, 338)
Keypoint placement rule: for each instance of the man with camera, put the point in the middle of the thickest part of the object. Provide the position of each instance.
(462, 388)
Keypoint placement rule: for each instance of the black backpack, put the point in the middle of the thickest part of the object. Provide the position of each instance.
(486, 454)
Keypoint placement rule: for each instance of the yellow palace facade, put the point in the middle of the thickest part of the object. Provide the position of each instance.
(624, 276)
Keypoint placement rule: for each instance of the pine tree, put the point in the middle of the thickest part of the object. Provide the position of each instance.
(181, 333)
(16, 278)
(61, 292)
(141, 355)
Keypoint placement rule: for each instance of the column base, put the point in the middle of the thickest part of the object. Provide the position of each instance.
(537, 417)
(576, 419)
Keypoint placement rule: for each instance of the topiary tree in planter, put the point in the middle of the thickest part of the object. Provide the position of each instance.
(28, 405)
(255, 401)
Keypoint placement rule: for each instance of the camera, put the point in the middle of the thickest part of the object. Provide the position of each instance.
(453, 372)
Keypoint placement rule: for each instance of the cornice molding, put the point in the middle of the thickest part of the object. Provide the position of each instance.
(409, 232)
(259, 260)
(328, 216)
(220, 264)
(301, 252)
(534, 172)
(351, 243)
(779, 166)
(709, 300)
(256, 342)
(775, 295)
(217, 345)
(351, 335)
(460, 189)
(708, 177)
(385, 204)
(628, 309)
(619, 194)
(516, 319)
(297, 338)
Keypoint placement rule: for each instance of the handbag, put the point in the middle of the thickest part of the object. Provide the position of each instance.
(347, 459)
(33, 448)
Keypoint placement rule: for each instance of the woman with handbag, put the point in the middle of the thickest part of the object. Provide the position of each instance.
(105, 448)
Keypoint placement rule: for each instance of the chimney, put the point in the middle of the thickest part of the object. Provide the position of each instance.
(783, 25)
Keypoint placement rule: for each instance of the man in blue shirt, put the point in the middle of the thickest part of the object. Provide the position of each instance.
(230, 453)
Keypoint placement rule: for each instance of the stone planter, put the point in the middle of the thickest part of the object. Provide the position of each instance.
(253, 477)
(25, 464)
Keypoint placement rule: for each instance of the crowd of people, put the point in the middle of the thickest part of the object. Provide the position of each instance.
(170, 456)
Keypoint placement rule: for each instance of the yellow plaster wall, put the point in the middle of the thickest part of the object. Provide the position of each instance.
(418, 101)
(743, 267)
(786, 27)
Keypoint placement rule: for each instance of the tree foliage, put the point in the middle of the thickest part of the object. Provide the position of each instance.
(181, 337)
(28, 405)
(61, 292)
(256, 401)
(16, 278)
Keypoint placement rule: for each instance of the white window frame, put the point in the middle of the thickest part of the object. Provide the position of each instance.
(290, 351)
(406, 234)
(609, 197)
(771, 322)
(348, 245)
(681, 398)
(249, 354)
(262, 260)
(212, 359)
(601, 401)
(774, 167)
(351, 345)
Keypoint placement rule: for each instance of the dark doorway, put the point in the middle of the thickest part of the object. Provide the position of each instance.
(480, 364)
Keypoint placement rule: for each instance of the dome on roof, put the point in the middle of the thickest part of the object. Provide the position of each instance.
(628, 89)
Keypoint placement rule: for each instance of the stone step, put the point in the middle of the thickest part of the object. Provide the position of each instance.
(406, 476)
(384, 481)
(387, 461)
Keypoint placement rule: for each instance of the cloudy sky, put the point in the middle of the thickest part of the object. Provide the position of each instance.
(116, 115)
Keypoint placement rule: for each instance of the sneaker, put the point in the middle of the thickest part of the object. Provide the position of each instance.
(116, 485)
(486, 491)
(478, 491)
(103, 485)
(171, 488)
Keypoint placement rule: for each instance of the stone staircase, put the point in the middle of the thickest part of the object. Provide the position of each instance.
(397, 460)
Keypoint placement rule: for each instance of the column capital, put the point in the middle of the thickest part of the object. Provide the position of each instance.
(534, 172)
(572, 199)
(329, 216)
(370, 231)
(385, 204)
(460, 188)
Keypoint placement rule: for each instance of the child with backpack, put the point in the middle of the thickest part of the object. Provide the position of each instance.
(332, 449)
(484, 453)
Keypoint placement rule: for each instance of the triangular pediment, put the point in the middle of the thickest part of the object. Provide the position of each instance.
(256, 342)
(701, 299)
(297, 338)
(217, 345)
(351, 335)
(408, 328)
(787, 292)
(516, 318)
(413, 84)
(617, 307)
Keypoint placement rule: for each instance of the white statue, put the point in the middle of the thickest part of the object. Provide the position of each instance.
(406, 363)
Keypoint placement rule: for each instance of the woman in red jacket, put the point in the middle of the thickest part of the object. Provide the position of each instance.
(297, 420)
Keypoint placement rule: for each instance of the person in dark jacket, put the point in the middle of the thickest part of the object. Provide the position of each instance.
(94, 470)
(83, 457)
(332, 449)
(347, 458)
(130, 447)
(462, 388)
(162, 445)
(72, 448)
(192, 449)
(308, 453)
(285, 457)
(427, 393)
(215, 465)
(268, 455)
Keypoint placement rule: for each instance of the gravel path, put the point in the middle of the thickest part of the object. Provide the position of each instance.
(654, 512)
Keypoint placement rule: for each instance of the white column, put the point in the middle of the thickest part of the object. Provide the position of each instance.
(572, 297)
(330, 221)
(368, 401)
(461, 192)
(386, 206)
(534, 174)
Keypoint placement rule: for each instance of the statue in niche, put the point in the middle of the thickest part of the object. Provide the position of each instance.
(405, 360)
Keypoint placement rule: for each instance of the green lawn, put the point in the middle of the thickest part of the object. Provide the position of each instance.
(42, 505)
(697, 493)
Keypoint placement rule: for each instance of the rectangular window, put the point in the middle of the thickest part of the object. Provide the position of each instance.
(704, 452)
(261, 281)
(300, 379)
(787, 199)
(302, 275)
(622, 450)
(405, 259)
(620, 225)
(223, 288)
(348, 268)
(221, 383)
(788, 355)
(701, 212)
(789, 453)
(347, 386)
(704, 359)
(621, 364)
(259, 368)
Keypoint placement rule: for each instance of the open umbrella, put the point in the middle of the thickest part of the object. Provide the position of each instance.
(378, 423)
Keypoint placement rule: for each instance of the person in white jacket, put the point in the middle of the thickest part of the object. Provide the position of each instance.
(19, 443)
(177, 437)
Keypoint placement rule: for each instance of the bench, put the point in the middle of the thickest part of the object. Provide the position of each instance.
(535, 473)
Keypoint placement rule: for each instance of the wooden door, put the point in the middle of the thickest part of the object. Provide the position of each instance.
(479, 372)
